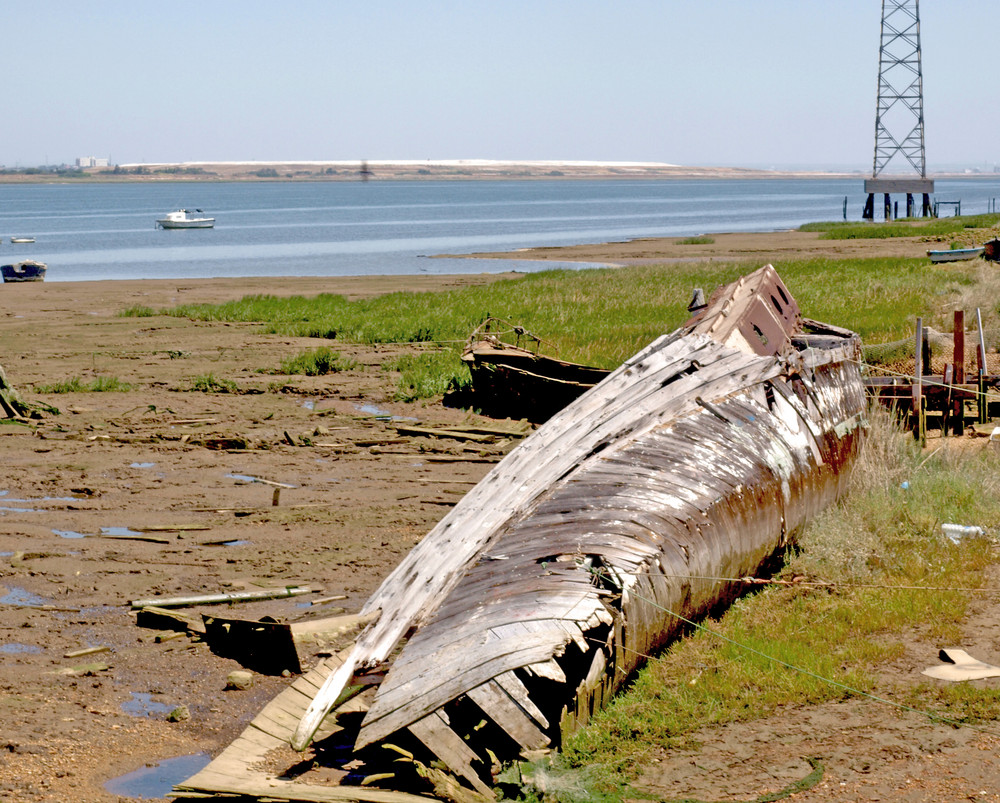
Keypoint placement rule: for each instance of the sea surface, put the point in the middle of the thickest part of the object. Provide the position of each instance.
(107, 231)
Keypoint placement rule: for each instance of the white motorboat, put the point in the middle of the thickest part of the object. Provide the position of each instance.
(185, 219)
(16, 240)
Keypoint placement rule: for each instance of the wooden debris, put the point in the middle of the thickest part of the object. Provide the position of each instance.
(324, 600)
(152, 539)
(217, 599)
(265, 646)
(444, 433)
(157, 618)
(86, 651)
(172, 528)
(83, 669)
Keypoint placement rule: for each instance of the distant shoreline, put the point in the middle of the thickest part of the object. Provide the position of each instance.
(417, 170)
(397, 170)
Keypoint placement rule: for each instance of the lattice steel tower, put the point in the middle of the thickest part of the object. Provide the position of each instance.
(899, 115)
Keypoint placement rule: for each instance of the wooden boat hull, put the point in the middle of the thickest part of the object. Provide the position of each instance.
(27, 271)
(630, 510)
(512, 382)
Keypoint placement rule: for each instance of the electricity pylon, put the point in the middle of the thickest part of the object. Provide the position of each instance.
(899, 114)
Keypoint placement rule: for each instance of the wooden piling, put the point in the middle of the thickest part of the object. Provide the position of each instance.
(918, 373)
(958, 358)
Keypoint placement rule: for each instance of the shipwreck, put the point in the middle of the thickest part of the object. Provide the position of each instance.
(533, 600)
(513, 380)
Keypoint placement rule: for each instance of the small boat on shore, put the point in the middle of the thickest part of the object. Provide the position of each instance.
(27, 271)
(636, 507)
(21, 240)
(955, 254)
(512, 380)
(186, 219)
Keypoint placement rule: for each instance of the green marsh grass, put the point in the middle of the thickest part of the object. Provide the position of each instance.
(428, 374)
(908, 227)
(602, 316)
(700, 240)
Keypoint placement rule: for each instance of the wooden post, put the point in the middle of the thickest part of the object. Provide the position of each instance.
(918, 373)
(958, 356)
(981, 398)
(922, 423)
(949, 379)
(983, 408)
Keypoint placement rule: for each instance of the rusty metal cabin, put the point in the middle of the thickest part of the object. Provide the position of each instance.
(528, 605)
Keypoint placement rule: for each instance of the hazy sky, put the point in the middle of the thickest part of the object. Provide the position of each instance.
(699, 82)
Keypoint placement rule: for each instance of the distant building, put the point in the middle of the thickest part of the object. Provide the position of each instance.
(91, 161)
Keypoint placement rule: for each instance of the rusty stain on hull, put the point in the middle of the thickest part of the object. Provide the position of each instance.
(527, 606)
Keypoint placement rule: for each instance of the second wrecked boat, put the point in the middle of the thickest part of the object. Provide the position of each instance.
(535, 597)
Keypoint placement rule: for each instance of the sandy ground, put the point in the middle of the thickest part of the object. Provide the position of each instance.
(358, 496)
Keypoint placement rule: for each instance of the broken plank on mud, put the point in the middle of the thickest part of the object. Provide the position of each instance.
(152, 539)
(407, 429)
(213, 599)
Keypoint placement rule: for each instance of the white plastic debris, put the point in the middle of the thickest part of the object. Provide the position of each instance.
(956, 532)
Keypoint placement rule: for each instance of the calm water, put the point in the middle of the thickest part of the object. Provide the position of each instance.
(107, 231)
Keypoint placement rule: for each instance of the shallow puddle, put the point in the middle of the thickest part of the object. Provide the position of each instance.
(118, 531)
(16, 647)
(157, 780)
(21, 598)
(141, 465)
(380, 414)
(5, 509)
(69, 534)
(143, 705)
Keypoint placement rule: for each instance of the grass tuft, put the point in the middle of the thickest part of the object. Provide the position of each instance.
(209, 383)
(316, 362)
(101, 384)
